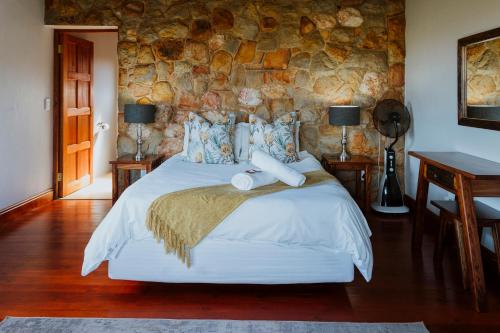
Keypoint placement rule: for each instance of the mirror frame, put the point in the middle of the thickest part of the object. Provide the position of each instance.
(462, 80)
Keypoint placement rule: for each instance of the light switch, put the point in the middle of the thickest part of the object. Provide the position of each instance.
(46, 104)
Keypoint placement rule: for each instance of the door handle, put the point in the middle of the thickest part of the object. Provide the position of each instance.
(102, 126)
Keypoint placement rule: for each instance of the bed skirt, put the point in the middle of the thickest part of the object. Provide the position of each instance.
(231, 262)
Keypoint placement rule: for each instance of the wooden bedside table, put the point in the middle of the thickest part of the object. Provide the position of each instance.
(127, 163)
(357, 163)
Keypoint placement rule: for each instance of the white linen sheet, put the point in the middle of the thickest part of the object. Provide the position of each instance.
(320, 217)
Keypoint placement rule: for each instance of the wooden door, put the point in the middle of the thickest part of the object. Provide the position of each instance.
(76, 114)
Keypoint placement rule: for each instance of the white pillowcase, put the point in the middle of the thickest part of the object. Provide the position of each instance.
(186, 140)
(241, 142)
(297, 127)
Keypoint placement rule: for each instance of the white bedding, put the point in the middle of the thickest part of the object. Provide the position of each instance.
(245, 263)
(322, 217)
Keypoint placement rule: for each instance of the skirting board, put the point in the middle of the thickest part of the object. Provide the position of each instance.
(24, 206)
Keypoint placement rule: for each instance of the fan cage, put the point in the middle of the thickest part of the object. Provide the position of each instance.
(384, 114)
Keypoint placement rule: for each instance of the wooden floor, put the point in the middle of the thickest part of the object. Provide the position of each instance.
(41, 255)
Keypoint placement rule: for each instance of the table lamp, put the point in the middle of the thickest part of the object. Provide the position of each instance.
(344, 115)
(139, 114)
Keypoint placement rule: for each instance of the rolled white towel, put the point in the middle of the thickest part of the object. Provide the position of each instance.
(249, 180)
(279, 170)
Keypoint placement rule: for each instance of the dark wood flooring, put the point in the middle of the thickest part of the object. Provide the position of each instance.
(41, 255)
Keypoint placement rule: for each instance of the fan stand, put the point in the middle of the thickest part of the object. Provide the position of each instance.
(390, 198)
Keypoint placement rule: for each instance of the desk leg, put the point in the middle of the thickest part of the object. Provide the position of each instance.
(421, 206)
(115, 182)
(472, 244)
(368, 188)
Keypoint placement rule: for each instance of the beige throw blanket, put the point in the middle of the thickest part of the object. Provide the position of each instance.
(183, 218)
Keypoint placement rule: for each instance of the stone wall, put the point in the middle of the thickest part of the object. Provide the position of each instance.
(263, 57)
(483, 73)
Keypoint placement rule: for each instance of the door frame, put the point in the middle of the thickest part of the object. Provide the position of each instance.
(57, 107)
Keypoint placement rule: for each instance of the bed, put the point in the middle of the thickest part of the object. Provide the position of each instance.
(315, 234)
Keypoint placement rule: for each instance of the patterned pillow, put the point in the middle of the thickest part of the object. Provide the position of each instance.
(210, 143)
(277, 139)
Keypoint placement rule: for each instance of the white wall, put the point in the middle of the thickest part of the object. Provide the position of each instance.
(25, 80)
(105, 97)
(432, 31)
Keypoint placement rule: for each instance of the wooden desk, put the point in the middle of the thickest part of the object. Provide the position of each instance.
(467, 177)
(357, 163)
(127, 163)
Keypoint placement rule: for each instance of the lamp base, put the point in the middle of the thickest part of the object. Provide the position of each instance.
(344, 156)
(139, 156)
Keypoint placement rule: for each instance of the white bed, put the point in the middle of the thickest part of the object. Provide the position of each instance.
(305, 235)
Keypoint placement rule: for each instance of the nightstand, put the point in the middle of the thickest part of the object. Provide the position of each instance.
(357, 163)
(128, 163)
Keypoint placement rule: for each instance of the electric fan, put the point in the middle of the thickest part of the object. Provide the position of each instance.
(392, 119)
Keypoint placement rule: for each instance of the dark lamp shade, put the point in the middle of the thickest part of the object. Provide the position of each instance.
(139, 113)
(344, 115)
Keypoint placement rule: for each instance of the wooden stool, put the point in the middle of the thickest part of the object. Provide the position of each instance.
(486, 217)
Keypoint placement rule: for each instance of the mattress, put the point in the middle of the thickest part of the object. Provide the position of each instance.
(221, 261)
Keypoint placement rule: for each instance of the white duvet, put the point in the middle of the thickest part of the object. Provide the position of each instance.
(321, 217)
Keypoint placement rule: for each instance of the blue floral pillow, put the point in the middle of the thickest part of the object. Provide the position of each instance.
(210, 143)
(276, 139)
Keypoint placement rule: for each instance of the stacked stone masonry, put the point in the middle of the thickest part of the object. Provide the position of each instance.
(264, 57)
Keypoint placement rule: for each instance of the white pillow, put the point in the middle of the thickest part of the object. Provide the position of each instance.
(297, 134)
(241, 142)
(186, 139)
